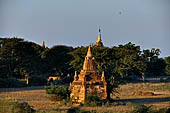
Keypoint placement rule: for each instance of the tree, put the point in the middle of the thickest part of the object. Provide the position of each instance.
(167, 68)
(78, 55)
(128, 61)
(7, 55)
(106, 61)
(57, 58)
(20, 57)
(154, 64)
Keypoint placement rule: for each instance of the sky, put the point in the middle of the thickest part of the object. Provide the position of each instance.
(75, 22)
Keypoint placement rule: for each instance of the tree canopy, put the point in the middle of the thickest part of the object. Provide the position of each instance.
(19, 58)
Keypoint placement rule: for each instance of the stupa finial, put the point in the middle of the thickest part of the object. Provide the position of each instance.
(89, 51)
(43, 44)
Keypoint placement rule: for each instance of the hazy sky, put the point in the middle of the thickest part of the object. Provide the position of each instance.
(75, 22)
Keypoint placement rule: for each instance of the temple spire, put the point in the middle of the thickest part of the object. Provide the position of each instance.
(89, 63)
(99, 40)
(43, 44)
(89, 52)
(99, 36)
(75, 76)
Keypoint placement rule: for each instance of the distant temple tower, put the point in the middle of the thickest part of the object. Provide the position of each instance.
(99, 41)
(43, 44)
(88, 82)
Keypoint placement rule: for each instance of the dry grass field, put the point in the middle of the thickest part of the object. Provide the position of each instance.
(155, 94)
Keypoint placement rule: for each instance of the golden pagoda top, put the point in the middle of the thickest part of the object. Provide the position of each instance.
(99, 41)
(99, 36)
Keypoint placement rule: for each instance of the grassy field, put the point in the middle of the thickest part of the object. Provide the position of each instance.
(155, 94)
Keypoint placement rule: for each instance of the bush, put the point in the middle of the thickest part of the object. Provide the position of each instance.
(92, 101)
(77, 110)
(164, 110)
(50, 89)
(140, 109)
(73, 110)
(57, 93)
(145, 109)
(21, 108)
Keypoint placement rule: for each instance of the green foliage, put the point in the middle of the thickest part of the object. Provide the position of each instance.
(73, 110)
(57, 93)
(124, 62)
(21, 108)
(118, 63)
(164, 110)
(167, 68)
(145, 109)
(57, 59)
(77, 110)
(92, 100)
(128, 60)
(20, 57)
(78, 58)
(140, 109)
(51, 89)
(154, 65)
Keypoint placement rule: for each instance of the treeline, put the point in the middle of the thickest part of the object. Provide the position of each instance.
(19, 58)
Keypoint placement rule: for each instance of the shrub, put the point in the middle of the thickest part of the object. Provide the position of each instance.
(57, 93)
(164, 110)
(50, 89)
(73, 110)
(62, 92)
(77, 110)
(145, 109)
(21, 108)
(92, 101)
(140, 109)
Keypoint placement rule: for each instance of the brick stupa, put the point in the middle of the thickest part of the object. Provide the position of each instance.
(88, 82)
